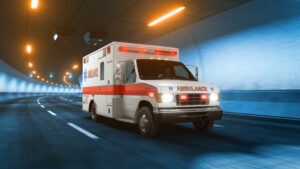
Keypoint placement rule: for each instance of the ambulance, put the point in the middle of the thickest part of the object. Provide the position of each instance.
(146, 85)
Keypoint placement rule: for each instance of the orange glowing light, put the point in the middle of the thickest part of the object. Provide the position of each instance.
(34, 4)
(166, 16)
(30, 64)
(75, 66)
(28, 48)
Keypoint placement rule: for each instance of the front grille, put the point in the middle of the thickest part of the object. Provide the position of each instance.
(193, 99)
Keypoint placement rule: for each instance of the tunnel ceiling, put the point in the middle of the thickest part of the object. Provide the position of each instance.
(111, 20)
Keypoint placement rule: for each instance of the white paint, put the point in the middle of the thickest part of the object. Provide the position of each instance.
(216, 125)
(51, 113)
(42, 106)
(83, 131)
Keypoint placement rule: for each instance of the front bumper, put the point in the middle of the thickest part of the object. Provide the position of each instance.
(187, 114)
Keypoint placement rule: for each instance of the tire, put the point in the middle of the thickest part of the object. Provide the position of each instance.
(203, 125)
(95, 116)
(146, 124)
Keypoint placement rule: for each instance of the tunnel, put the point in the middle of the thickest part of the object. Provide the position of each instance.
(189, 84)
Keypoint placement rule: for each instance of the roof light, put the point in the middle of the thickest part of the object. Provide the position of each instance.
(165, 52)
(34, 4)
(173, 12)
(142, 50)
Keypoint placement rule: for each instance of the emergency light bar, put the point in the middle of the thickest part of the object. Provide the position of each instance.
(147, 51)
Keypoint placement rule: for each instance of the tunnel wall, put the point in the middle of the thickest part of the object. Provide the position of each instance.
(14, 84)
(252, 52)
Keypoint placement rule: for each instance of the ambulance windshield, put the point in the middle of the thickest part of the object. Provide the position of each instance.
(162, 69)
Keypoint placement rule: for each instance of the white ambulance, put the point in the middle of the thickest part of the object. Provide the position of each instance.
(146, 85)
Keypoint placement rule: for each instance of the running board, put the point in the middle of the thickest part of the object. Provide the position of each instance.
(126, 120)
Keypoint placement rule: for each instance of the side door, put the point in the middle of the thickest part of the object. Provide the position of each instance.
(128, 97)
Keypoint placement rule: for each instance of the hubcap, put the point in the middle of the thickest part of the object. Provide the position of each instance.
(144, 123)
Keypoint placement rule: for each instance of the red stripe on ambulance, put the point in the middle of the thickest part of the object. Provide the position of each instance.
(129, 89)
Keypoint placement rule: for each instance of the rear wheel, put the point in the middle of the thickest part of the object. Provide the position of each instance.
(146, 123)
(95, 116)
(203, 125)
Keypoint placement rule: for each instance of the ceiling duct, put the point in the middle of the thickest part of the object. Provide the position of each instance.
(93, 37)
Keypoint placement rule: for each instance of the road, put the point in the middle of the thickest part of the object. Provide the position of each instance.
(51, 132)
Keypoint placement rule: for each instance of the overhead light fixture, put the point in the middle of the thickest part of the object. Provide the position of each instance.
(55, 36)
(51, 75)
(30, 64)
(75, 66)
(28, 48)
(34, 4)
(168, 15)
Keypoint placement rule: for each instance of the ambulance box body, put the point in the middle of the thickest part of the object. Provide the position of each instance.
(146, 85)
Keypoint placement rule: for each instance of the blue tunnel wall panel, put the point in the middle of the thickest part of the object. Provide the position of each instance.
(14, 84)
(252, 48)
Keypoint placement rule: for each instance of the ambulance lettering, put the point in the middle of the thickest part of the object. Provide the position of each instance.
(191, 88)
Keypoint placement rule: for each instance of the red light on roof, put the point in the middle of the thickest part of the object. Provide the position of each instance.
(183, 97)
(165, 52)
(141, 50)
(203, 96)
(123, 48)
(147, 51)
(108, 50)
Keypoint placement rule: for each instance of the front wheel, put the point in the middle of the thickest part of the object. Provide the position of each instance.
(203, 125)
(146, 124)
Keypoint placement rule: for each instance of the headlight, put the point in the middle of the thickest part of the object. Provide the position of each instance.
(213, 97)
(164, 97)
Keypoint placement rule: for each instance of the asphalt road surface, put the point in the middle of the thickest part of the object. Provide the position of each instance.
(51, 132)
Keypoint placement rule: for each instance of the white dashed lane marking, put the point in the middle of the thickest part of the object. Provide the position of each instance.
(51, 113)
(83, 131)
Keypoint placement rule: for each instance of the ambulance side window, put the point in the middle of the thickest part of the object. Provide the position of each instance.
(102, 71)
(129, 73)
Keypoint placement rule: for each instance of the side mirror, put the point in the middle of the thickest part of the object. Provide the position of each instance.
(196, 72)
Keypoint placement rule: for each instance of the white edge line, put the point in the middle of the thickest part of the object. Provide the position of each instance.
(216, 125)
(42, 106)
(51, 113)
(263, 116)
(83, 131)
